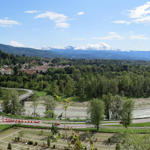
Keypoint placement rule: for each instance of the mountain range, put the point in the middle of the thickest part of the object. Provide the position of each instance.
(72, 53)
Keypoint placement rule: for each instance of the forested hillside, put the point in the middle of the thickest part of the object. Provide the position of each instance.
(86, 79)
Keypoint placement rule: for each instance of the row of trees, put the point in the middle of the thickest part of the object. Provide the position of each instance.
(98, 107)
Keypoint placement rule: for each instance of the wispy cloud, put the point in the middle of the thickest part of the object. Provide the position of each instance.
(138, 37)
(140, 11)
(16, 44)
(80, 13)
(8, 23)
(122, 22)
(140, 14)
(111, 36)
(59, 19)
(31, 11)
(62, 25)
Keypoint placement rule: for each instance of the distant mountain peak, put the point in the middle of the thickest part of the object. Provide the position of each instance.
(90, 52)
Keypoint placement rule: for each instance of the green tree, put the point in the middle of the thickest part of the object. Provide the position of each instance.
(96, 111)
(34, 104)
(50, 105)
(116, 107)
(127, 112)
(108, 99)
(11, 103)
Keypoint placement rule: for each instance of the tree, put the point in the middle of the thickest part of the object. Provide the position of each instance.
(113, 106)
(50, 104)
(108, 99)
(11, 103)
(127, 113)
(116, 107)
(96, 111)
(34, 104)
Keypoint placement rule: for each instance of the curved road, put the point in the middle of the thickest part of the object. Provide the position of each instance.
(24, 96)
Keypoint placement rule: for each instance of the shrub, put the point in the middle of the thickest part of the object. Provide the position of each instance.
(54, 146)
(117, 146)
(9, 146)
(30, 142)
(48, 141)
(35, 144)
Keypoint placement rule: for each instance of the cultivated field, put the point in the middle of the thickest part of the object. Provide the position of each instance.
(36, 139)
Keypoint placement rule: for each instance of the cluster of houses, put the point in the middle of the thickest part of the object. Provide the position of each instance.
(6, 70)
(39, 69)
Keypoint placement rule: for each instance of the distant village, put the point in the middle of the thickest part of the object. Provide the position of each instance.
(30, 68)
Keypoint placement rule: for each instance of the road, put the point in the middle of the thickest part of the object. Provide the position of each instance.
(24, 96)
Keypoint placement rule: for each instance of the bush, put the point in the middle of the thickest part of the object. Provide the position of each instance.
(9, 146)
(117, 146)
(48, 141)
(54, 146)
(35, 144)
(116, 138)
(30, 142)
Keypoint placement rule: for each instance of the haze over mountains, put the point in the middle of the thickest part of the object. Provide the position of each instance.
(72, 53)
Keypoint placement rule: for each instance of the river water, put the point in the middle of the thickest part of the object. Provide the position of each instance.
(78, 112)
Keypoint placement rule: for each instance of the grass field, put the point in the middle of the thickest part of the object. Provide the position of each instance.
(40, 93)
(144, 124)
(3, 127)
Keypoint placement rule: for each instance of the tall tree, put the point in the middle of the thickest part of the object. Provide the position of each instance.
(11, 103)
(96, 111)
(50, 105)
(116, 107)
(126, 115)
(34, 104)
(108, 99)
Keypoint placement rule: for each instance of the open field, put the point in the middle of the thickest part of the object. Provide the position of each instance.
(40, 138)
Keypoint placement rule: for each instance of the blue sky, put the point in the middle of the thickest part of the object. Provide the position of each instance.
(84, 24)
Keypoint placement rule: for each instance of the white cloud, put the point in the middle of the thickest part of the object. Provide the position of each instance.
(16, 44)
(111, 36)
(7, 22)
(99, 46)
(140, 11)
(140, 14)
(59, 19)
(80, 13)
(62, 25)
(31, 11)
(142, 20)
(122, 22)
(138, 37)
